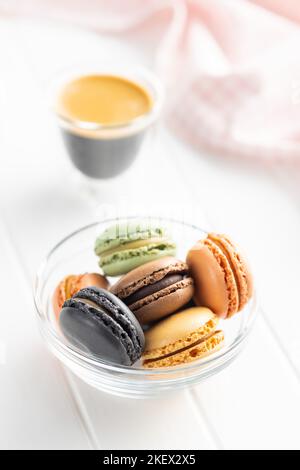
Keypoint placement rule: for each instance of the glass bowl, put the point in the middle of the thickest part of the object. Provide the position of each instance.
(74, 254)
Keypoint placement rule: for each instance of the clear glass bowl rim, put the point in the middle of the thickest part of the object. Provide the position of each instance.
(89, 362)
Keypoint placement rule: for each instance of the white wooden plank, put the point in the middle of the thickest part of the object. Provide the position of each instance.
(157, 423)
(36, 408)
(254, 404)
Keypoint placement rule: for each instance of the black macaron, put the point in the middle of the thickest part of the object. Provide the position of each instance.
(99, 323)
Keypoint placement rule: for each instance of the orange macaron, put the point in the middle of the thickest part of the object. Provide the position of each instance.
(73, 283)
(222, 277)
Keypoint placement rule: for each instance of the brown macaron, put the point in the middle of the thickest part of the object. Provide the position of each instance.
(73, 283)
(223, 280)
(156, 289)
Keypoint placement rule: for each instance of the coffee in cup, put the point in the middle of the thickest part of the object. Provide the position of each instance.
(104, 119)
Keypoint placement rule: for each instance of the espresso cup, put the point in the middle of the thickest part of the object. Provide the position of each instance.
(104, 118)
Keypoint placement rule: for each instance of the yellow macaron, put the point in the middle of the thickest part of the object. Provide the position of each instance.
(181, 338)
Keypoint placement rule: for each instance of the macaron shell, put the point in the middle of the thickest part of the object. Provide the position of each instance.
(230, 281)
(64, 290)
(244, 266)
(179, 331)
(117, 311)
(84, 330)
(125, 261)
(74, 283)
(98, 322)
(119, 234)
(210, 283)
(239, 267)
(195, 352)
(146, 274)
(93, 279)
(163, 302)
(57, 300)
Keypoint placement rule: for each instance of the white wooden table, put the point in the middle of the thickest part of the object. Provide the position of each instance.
(255, 403)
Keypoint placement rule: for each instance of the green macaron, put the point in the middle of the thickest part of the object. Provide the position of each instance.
(125, 246)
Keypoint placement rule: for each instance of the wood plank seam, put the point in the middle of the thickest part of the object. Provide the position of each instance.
(280, 345)
(201, 413)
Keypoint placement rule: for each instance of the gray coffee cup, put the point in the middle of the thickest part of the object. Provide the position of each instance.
(104, 151)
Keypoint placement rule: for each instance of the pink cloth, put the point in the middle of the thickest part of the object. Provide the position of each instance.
(231, 67)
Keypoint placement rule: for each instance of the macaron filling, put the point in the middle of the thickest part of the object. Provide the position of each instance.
(133, 245)
(150, 289)
(121, 234)
(91, 303)
(190, 347)
(125, 246)
(156, 289)
(144, 250)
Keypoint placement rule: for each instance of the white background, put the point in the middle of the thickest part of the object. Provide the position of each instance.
(255, 403)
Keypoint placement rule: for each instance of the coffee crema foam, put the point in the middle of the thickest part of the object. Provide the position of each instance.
(103, 100)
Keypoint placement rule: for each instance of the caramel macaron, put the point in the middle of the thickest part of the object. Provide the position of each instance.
(73, 283)
(156, 289)
(222, 277)
(182, 338)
